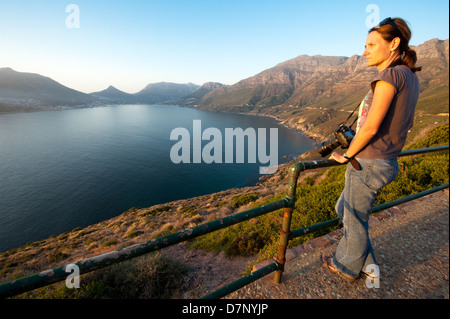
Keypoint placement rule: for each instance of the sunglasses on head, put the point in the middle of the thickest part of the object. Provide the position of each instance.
(390, 22)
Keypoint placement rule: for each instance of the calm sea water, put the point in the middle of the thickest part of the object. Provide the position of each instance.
(65, 169)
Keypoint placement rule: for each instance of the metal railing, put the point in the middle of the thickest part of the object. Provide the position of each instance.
(50, 276)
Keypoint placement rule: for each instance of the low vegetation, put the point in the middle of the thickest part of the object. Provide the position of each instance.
(152, 276)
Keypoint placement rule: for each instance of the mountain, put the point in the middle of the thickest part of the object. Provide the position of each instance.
(315, 93)
(308, 80)
(113, 95)
(298, 81)
(21, 92)
(193, 98)
(164, 92)
(433, 56)
(34, 91)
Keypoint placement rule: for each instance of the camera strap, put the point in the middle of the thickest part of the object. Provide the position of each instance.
(352, 160)
(351, 114)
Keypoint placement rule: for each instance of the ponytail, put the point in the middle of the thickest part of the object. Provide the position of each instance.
(410, 59)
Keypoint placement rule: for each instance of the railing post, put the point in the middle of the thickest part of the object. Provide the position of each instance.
(294, 172)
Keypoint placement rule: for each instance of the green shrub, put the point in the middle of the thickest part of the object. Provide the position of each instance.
(189, 210)
(135, 234)
(151, 276)
(437, 136)
(239, 200)
(56, 257)
(245, 244)
(156, 211)
(109, 242)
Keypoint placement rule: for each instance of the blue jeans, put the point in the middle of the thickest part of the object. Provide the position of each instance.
(354, 252)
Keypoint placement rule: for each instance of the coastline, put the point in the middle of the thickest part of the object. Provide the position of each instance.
(298, 128)
(301, 129)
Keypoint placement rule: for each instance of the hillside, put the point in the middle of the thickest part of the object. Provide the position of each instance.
(193, 98)
(313, 94)
(113, 94)
(322, 80)
(34, 91)
(24, 92)
(164, 92)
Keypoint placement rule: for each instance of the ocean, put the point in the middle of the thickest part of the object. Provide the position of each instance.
(65, 169)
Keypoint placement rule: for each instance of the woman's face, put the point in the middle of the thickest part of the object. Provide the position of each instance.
(377, 49)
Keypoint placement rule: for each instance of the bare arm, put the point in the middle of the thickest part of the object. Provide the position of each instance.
(383, 95)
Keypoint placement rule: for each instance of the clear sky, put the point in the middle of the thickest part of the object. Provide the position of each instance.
(130, 44)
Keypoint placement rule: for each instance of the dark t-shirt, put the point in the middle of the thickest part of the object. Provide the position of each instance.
(391, 135)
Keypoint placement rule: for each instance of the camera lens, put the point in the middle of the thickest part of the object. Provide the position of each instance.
(327, 147)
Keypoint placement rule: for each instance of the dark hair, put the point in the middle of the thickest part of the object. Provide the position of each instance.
(389, 33)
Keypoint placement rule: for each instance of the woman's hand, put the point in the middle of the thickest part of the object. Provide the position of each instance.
(338, 158)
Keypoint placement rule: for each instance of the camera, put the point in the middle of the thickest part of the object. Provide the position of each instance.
(343, 136)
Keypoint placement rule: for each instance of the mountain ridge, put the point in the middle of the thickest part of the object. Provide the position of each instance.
(23, 91)
(163, 92)
(304, 92)
(313, 94)
(34, 90)
(303, 79)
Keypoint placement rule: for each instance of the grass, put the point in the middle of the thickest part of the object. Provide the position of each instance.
(152, 276)
(240, 200)
(156, 211)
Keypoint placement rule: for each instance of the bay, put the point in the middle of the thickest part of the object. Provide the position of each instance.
(65, 169)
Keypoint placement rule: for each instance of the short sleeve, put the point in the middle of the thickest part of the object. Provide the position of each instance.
(394, 76)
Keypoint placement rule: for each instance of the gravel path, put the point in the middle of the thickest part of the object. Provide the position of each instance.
(411, 243)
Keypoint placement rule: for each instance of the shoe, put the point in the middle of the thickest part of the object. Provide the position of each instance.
(327, 263)
(371, 276)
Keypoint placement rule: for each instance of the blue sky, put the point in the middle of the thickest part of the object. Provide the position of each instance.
(130, 44)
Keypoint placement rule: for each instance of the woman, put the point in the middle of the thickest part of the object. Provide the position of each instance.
(385, 116)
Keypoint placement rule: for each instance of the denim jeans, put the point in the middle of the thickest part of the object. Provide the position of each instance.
(354, 252)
